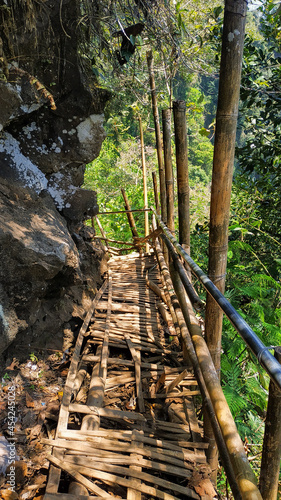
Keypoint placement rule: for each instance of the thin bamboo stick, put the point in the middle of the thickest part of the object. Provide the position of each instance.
(126, 211)
(156, 196)
(169, 178)
(102, 231)
(113, 241)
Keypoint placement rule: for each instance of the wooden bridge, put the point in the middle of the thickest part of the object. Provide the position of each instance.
(128, 425)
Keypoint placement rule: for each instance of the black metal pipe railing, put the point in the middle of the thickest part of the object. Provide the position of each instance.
(264, 357)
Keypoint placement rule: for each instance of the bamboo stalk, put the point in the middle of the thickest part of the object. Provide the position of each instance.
(169, 178)
(146, 223)
(168, 319)
(156, 196)
(179, 110)
(224, 148)
(243, 473)
(196, 301)
(271, 452)
(157, 135)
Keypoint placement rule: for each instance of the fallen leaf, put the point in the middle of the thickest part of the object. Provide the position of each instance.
(8, 494)
(29, 401)
(3, 405)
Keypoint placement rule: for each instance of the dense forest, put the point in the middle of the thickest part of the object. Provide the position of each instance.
(185, 38)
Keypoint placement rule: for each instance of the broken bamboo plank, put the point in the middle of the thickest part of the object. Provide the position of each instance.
(128, 483)
(71, 470)
(176, 381)
(130, 472)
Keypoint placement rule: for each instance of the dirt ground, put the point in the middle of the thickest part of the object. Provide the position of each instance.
(31, 386)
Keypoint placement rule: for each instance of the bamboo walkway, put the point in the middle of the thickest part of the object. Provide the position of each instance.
(127, 426)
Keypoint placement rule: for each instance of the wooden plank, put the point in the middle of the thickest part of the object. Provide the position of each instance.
(105, 412)
(94, 444)
(174, 395)
(69, 496)
(137, 360)
(94, 462)
(126, 435)
(105, 350)
(134, 493)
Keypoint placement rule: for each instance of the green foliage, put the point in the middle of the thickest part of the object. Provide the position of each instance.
(259, 152)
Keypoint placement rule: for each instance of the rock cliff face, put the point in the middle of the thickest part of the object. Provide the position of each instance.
(51, 125)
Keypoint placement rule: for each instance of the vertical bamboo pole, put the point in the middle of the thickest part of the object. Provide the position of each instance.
(271, 453)
(130, 215)
(179, 110)
(158, 136)
(226, 123)
(166, 120)
(146, 224)
(156, 196)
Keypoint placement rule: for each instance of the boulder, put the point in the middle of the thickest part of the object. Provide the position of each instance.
(51, 125)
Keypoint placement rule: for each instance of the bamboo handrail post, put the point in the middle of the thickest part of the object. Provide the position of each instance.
(179, 111)
(149, 57)
(271, 453)
(146, 223)
(169, 179)
(224, 147)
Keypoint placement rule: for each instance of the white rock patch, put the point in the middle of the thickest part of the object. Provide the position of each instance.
(87, 128)
(28, 173)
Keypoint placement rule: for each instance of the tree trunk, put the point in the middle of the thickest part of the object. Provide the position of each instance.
(271, 453)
